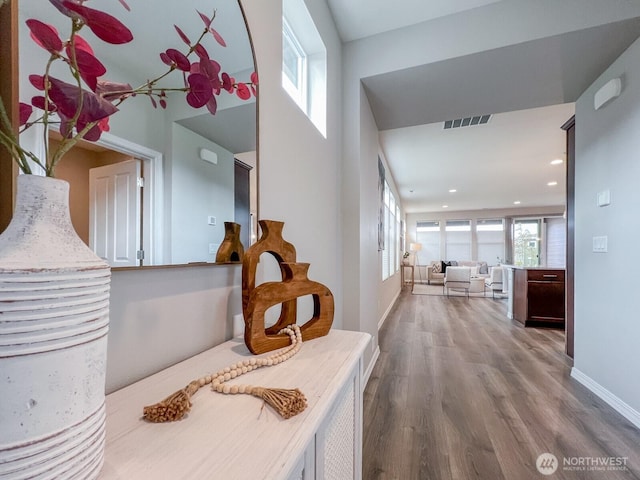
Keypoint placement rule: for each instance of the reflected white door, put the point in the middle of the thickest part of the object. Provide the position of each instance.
(114, 213)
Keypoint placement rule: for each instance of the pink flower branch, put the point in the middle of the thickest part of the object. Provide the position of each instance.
(83, 113)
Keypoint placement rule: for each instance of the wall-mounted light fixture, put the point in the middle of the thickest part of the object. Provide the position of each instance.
(607, 92)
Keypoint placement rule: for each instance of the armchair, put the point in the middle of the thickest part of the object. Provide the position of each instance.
(457, 277)
(494, 282)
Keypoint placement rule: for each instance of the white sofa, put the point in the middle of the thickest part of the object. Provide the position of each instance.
(435, 269)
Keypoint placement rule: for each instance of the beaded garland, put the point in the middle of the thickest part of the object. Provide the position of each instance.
(286, 402)
(246, 366)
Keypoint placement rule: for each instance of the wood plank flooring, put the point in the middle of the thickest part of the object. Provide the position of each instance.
(461, 392)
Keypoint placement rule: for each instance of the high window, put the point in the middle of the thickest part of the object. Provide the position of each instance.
(428, 235)
(294, 65)
(458, 239)
(304, 63)
(490, 240)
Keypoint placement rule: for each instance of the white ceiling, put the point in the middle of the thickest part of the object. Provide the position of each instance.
(362, 18)
(504, 161)
(490, 166)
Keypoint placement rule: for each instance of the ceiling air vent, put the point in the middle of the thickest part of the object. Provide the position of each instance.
(467, 121)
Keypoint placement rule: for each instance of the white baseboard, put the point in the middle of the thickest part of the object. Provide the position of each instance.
(616, 403)
(372, 363)
(386, 313)
(376, 353)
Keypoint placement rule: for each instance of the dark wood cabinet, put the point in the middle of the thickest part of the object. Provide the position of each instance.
(539, 297)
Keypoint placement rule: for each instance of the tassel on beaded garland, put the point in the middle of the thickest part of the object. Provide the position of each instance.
(172, 408)
(287, 403)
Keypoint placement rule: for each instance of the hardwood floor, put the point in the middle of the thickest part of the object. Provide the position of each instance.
(461, 392)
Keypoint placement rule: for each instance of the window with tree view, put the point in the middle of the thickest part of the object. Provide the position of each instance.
(526, 242)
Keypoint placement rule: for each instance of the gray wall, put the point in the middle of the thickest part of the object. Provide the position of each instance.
(160, 316)
(199, 189)
(607, 330)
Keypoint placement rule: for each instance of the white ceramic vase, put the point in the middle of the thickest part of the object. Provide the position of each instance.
(54, 317)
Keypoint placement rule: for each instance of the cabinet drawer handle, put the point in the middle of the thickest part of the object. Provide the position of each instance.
(550, 276)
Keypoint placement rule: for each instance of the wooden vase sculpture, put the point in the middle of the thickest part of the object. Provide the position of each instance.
(295, 283)
(270, 241)
(231, 249)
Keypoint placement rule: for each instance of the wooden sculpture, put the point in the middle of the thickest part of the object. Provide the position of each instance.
(231, 249)
(295, 283)
(270, 241)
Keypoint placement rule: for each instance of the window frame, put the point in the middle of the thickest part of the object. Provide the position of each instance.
(301, 38)
(390, 258)
(497, 245)
(297, 92)
(457, 235)
(427, 230)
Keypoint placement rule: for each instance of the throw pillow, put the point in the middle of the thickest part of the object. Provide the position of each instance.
(484, 268)
(444, 266)
(453, 263)
(436, 267)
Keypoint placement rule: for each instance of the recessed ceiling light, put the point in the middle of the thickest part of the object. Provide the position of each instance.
(445, 206)
(453, 190)
(557, 161)
(552, 184)
(517, 202)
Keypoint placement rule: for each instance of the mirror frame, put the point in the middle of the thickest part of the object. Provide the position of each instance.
(9, 89)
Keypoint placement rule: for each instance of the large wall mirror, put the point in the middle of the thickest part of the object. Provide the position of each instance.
(199, 170)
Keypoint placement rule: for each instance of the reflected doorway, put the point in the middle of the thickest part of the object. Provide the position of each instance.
(115, 213)
(94, 210)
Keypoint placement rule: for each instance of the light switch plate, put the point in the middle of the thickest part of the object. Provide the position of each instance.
(604, 198)
(211, 220)
(600, 244)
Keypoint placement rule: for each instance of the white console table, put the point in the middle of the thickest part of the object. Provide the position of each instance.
(234, 436)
